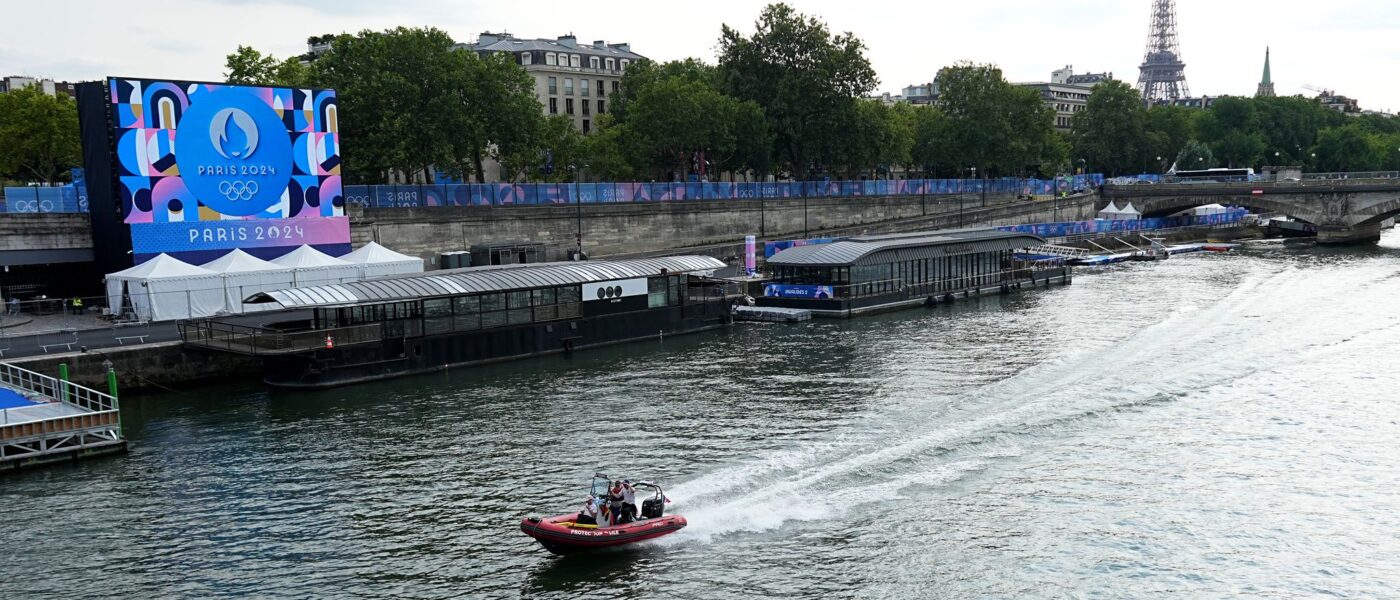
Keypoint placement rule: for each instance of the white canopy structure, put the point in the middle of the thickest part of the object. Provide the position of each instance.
(1129, 213)
(244, 275)
(312, 267)
(1110, 212)
(1205, 211)
(165, 288)
(377, 261)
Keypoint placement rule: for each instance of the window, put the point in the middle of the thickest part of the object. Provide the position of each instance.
(584, 106)
(553, 85)
(612, 65)
(549, 58)
(553, 106)
(616, 86)
(468, 309)
(602, 107)
(624, 64)
(526, 58)
(600, 88)
(585, 121)
(656, 292)
(569, 106)
(568, 86)
(573, 60)
(583, 87)
(592, 62)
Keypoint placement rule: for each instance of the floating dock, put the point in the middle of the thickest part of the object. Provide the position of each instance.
(45, 419)
(772, 314)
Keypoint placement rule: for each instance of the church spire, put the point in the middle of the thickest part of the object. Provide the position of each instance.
(1266, 85)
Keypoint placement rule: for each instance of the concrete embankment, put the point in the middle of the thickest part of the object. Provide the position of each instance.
(616, 230)
(146, 366)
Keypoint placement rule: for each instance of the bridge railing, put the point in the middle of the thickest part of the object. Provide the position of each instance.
(1350, 176)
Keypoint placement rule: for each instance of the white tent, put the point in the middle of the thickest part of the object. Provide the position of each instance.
(165, 288)
(1110, 212)
(244, 274)
(312, 267)
(376, 261)
(1129, 213)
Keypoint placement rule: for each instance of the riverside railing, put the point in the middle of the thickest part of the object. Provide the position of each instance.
(530, 194)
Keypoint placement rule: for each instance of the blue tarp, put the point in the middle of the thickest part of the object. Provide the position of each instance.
(12, 399)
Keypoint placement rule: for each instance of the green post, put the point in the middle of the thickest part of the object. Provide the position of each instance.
(63, 382)
(112, 390)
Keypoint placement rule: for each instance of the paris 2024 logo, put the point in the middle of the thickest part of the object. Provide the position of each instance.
(234, 152)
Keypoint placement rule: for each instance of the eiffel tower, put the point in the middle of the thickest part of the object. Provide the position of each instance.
(1162, 76)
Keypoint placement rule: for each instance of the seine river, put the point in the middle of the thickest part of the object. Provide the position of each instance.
(1210, 426)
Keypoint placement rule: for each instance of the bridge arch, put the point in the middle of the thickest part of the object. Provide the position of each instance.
(1161, 206)
(1374, 214)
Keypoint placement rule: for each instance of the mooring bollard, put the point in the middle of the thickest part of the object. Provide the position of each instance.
(63, 382)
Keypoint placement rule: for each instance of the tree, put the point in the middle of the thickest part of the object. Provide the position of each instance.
(499, 115)
(1231, 129)
(1168, 130)
(1194, 155)
(1347, 148)
(247, 66)
(994, 126)
(1110, 133)
(38, 135)
(803, 78)
(930, 149)
(401, 94)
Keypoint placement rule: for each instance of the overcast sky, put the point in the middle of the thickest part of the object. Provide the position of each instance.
(1349, 46)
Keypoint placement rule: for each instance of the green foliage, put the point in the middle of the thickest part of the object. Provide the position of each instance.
(1194, 155)
(1348, 148)
(1168, 129)
(247, 66)
(38, 135)
(930, 149)
(998, 128)
(803, 77)
(1110, 134)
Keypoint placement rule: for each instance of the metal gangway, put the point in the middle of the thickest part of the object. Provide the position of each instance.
(1054, 250)
(48, 419)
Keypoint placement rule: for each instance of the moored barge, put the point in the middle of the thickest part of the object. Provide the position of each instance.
(875, 273)
(386, 327)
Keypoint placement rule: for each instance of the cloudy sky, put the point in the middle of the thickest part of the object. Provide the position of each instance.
(1346, 45)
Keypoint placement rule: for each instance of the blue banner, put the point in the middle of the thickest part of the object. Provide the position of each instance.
(809, 292)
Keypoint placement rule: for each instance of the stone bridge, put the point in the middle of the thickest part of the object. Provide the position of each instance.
(1344, 210)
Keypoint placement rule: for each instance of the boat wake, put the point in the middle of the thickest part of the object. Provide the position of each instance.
(932, 440)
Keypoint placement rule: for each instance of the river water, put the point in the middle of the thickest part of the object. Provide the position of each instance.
(1214, 425)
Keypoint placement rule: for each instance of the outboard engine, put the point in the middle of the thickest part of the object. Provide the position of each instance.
(652, 508)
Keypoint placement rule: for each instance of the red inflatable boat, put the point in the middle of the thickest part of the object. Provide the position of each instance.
(564, 535)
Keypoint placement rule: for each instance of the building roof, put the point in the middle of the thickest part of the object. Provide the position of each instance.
(474, 280)
(928, 244)
(548, 45)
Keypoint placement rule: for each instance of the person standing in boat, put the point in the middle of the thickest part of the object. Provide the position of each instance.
(615, 503)
(589, 516)
(629, 500)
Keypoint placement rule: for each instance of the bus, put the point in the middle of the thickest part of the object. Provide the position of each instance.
(1215, 175)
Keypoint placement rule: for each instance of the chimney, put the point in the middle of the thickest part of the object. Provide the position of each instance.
(623, 46)
(600, 44)
(570, 40)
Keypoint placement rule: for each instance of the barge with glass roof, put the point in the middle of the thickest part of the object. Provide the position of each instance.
(346, 333)
(875, 273)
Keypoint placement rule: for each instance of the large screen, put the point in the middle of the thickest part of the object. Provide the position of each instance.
(204, 168)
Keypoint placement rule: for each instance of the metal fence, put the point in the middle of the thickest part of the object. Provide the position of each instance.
(35, 199)
(530, 194)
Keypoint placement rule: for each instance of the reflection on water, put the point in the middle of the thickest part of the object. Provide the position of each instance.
(1211, 425)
